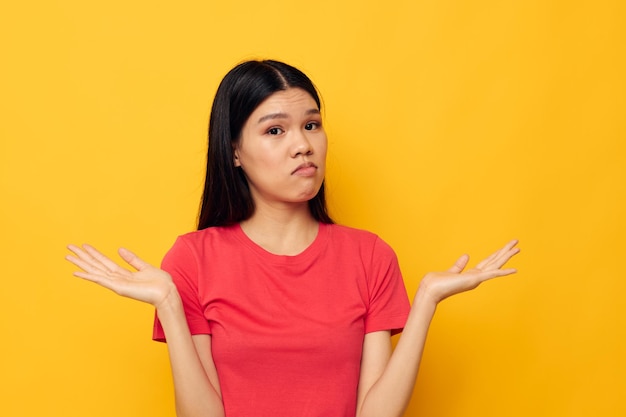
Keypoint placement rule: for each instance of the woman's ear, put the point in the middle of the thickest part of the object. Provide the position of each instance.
(236, 157)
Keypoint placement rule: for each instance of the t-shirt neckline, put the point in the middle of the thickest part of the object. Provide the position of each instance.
(309, 252)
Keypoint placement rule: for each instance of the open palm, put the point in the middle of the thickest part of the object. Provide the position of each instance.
(441, 285)
(148, 283)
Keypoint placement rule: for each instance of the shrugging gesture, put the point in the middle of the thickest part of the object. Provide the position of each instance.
(266, 165)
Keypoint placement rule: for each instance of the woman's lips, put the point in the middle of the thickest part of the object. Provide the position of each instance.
(305, 170)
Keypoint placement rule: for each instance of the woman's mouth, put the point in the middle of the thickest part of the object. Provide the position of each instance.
(306, 169)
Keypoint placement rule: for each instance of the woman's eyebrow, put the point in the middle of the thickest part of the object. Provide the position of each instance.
(272, 116)
(279, 115)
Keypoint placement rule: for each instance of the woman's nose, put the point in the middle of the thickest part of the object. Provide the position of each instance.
(302, 145)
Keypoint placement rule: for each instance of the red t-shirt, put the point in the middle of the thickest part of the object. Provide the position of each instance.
(287, 331)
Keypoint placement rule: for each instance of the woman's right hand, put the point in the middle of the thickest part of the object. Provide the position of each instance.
(148, 283)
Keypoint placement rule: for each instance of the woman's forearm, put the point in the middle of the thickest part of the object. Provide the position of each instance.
(194, 393)
(390, 395)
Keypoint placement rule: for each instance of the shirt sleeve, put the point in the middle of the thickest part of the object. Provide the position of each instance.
(182, 264)
(389, 305)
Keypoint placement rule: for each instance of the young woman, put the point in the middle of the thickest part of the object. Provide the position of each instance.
(270, 309)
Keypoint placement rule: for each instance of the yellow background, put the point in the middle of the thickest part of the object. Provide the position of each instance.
(454, 126)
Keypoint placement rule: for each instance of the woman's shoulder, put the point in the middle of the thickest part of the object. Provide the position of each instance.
(206, 237)
(351, 232)
(355, 243)
(352, 235)
(209, 233)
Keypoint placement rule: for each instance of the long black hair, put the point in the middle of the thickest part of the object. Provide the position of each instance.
(226, 199)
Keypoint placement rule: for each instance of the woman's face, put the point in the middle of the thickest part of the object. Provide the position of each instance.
(282, 149)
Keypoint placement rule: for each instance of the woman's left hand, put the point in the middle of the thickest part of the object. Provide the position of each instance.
(438, 286)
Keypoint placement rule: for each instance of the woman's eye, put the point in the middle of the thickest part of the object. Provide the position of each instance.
(275, 131)
(311, 126)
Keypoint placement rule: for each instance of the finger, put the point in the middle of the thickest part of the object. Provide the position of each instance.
(499, 263)
(104, 278)
(502, 272)
(487, 260)
(93, 277)
(103, 259)
(132, 259)
(507, 248)
(87, 258)
(460, 264)
(482, 264)
(483, 276)
(85, 266)
(492, 257)
(505, 254)
(499, 257)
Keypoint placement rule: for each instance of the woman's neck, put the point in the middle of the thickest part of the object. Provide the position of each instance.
(281, 231)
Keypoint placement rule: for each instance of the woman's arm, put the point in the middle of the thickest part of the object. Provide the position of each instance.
(196, 385)
(387, 380)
